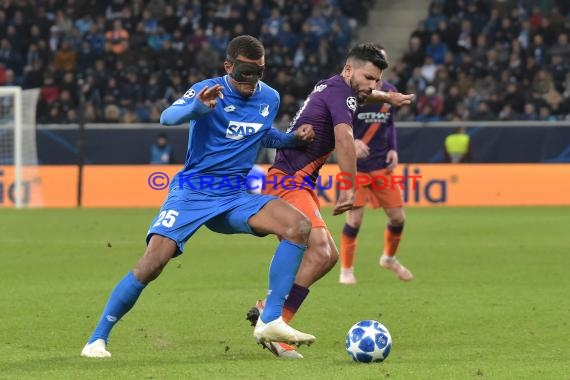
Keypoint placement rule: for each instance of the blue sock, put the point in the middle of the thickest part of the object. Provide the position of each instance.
(120, 302)
(282, 274)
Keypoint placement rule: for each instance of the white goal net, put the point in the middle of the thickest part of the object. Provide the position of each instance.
(18, 149)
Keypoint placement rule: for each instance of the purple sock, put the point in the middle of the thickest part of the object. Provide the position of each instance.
(350, 231)
(296, 297)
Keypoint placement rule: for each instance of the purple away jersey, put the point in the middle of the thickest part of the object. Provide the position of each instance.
(374, 125)
(332, 102)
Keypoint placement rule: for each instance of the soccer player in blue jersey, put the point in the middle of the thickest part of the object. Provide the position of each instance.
(230, 117)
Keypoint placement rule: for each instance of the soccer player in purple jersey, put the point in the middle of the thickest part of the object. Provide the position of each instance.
(329, 109)
(377, 157)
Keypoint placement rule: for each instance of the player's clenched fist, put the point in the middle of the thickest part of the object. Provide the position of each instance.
(305, 133)
(209, 96)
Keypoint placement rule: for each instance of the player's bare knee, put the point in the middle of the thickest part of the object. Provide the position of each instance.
(396, 217)
(298, 230)
(397, 220)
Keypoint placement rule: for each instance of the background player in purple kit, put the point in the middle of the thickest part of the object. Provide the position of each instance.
(377, 156)
(329, 109)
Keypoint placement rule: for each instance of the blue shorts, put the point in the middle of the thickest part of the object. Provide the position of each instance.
(184, 212)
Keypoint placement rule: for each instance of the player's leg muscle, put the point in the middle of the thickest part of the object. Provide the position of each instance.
(319, 259)
(159, 251)
(280, 218)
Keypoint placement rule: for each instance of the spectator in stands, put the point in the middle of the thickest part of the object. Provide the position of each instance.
(219, 40)
(428, 115)
(65, 57)
(451, 100)
(529, 113)
(435, 17)
(415, 55)
(432, 100)
(508, 40)
(544, 114)
(457, 147)
(483, 112)
(117, 38)
(542, 83)
(472, 101)
(429, 70)
(507, 113)
(405, 113)
(436, 49)
(466, 37)
(417, 81)
(514, 97)
(161, 151)
(558, 70)
(112, 113)
(157, 39)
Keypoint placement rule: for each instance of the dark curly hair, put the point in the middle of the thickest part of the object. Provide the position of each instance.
(368, 52)
(247, 46)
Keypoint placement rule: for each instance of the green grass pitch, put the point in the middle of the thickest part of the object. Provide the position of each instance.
(490, 299)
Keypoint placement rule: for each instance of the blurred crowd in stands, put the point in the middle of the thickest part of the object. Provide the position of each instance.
(468, 60)
(488, 60)
(133, 58)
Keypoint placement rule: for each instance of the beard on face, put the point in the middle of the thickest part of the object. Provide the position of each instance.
(246, 89)
(361, 95)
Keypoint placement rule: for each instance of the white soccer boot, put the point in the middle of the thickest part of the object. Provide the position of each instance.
(282, 350)
(279, 331)
(96, 349)
(394, 265)
(279, 349)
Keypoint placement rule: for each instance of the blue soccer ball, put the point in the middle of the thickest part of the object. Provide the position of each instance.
(368, 341)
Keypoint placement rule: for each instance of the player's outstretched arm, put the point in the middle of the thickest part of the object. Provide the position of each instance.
(280, 140)
(394, 98)
(191, 107)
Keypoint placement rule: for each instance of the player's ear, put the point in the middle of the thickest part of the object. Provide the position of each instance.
(228, 66)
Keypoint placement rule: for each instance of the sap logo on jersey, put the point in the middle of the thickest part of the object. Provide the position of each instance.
(237, 130)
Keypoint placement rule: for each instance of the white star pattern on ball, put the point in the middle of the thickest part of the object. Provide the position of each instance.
(368, 341)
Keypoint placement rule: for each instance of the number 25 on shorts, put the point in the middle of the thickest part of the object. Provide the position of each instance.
(166, 218)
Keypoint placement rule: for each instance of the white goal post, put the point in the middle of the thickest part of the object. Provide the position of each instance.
(18, 150)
